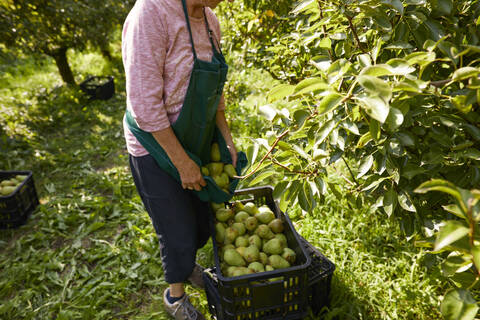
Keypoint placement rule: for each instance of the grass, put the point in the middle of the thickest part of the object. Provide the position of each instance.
(89, 250)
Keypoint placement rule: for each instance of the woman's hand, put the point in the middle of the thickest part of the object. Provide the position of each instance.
(190, 175)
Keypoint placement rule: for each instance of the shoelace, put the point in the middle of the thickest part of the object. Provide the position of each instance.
(189, 311)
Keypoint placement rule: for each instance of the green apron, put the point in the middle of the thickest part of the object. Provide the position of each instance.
(195, 127)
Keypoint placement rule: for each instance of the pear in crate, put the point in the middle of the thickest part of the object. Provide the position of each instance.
(289, 255)
(251, 223)
(223, 214)
(273, 246)
(240, 227)
(277, 262)
(256, 266)
(255, 240)
(276, 225)
(233, 258)
(250, 208)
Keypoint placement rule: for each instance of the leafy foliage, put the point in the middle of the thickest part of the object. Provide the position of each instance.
(385, 93)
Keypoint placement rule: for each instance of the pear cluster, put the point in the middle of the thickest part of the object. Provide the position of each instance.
(250, 239)
(8, 186)
(220, 172)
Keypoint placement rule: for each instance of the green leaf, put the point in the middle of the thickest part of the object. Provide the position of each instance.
(374, 128)
(280, 92)
(279, 189)
(252, 153)
(394, 119)
(443, 186)
(329, 102)
(405, 138)
(378, 70)
(421, 58)
(261, 177)
(476, 256)
(390, 201)
(366, 138)
(396, 4)
(367, 163)
(300, 116)
(268, 111)
(350, 126)
(454, 209)
(375, 107)
(303, 6)
(325, 131)
(411, 170)
(459, 304)
(465, 73)
(335, 191)
(452, 231)
(471, 154)
(400, 67)
(474, 131)
(405, 202)
(310, 85)
(375, 86)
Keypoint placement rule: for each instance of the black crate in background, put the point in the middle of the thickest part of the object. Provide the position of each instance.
(17, 207)
(103, 91)
(277, 294)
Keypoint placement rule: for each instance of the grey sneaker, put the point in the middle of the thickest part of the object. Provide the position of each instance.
(196, 277)
(181, 309)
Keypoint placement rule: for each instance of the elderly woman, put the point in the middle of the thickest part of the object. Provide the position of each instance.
(175, 74)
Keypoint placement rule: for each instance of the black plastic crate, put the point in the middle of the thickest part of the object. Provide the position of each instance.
(99, 87)
(277, 294)
(320, 274)
(17, 207)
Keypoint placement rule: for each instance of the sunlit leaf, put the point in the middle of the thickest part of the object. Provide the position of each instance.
(375, 107)
(280, 92)
(459, 304)
(452, 231)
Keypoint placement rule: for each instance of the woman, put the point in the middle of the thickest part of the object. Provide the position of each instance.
(174, 78)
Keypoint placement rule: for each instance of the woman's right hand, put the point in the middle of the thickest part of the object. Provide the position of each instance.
(191, 175)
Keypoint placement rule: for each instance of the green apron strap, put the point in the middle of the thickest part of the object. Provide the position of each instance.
(189, 28)
(210, 34)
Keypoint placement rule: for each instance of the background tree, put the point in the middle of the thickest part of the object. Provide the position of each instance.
(53, 27)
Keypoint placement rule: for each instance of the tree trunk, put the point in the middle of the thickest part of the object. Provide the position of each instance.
(60, 56)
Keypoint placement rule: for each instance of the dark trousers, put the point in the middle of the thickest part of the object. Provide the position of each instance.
(179, 218)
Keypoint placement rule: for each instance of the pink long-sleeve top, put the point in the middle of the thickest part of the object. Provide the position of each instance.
(158, 61)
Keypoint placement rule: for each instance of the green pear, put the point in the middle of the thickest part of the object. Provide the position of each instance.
(223, 214)
(256, 241)
(217, 206)
(241, 241)
(250, 208)
(269, 268)
(237, 206)
(21, 177)
(230, 235)
(265, 216)
(273, 246)
(7, 190)
(289, 255)
(240, 227)
(230, 271)
(278, 262)
(282, 238)
(223, 180)
(251, 254)
(230, 170)
(264, 232)
(241, 216)
(233, 258)
(251, 223)
(215, 155)
(276, 225)
(241, 250)
(263, 258)
(219, 232)
(256, 266)
(241, 271)
(215, 168)
(205, 171)
(222, 249)
(8, 183)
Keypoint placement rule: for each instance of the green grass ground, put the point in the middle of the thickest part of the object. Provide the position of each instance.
(89, 250)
